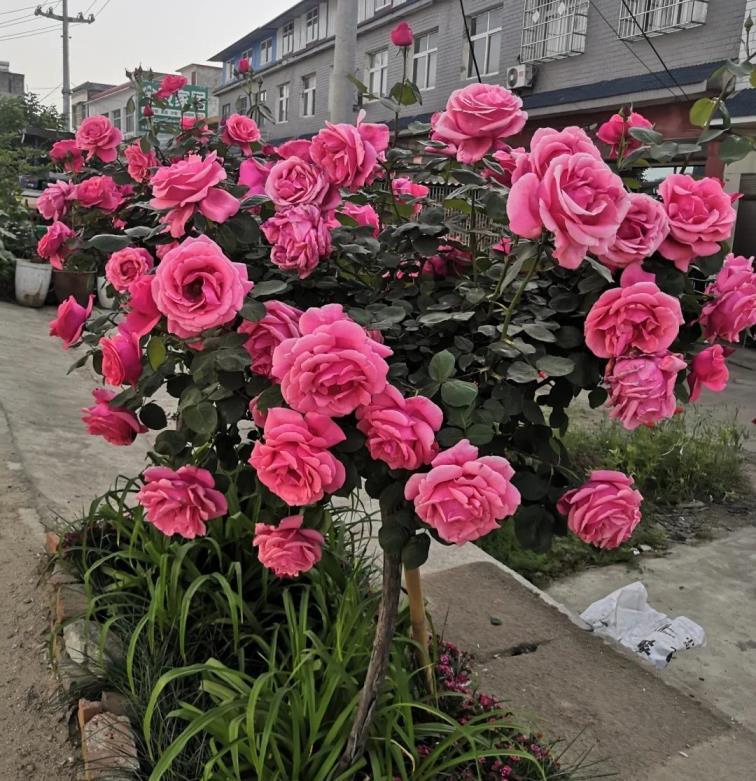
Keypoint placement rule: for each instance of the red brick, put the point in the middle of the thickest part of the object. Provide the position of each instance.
(52, 543)
(108, 747)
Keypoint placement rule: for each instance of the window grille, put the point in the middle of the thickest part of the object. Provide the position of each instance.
(656, 17)
(553, 29)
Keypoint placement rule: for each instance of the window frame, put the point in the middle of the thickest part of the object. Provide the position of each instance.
(487, 37)
(382, 70)
(309, 95)
(282, 101)
(686, 13)
(266, 45)
(115, 118)
(287, 38)
(430, 55)
(312, 25)
(547, 36)
(225, 111)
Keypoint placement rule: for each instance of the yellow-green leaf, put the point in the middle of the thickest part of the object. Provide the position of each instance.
(701, 111)
(156, 352)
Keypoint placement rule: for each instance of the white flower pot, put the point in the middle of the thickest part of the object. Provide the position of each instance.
(106, 301)
(32, 282)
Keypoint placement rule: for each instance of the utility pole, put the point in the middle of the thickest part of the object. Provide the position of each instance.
(66, 20)
(344, 59)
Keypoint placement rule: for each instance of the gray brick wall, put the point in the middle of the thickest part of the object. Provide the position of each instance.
(605, 56)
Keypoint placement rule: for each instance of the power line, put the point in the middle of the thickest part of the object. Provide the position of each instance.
(102, 8)
(634, 53)
(653, 48)
(18, 20)
(41, 31)
(47, 94)
(16, 10)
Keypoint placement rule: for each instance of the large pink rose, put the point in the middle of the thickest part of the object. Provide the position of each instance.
(700, 214)
(181, 502)
(293, 459)
(709, 370)
(633, 317)
(126, 266)
(188, 185)
(99, 192)
(139, 163)
(642, 388)
(55, 201)
(279, 323)
(170, 85)
(348, 154)
(615, 132)
(733, 307)
(253, 174)
(121, 358)
(68, 155)
(116, 425)
(333, 367)
(639, 235)
(604, 510)
(143, 314)
(362, 214)
(463, 496)
(98, 138)
(294, 182)
(547, 144)
(287, 549)
(301, 238)
(579, 199)
(55, 244)
(240, 131)
(400, 431)
(295, 147)
(476, 119)
(69, 322)
(197, 287)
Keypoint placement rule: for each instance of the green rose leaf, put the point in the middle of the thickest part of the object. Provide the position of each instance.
(441, 366)
(555, 366)
(156, 353)
(458, 393)
(520, 371)
(202, 418)
(153, 416)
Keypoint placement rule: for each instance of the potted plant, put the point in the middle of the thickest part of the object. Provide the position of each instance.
(76, 278)
(31, 278)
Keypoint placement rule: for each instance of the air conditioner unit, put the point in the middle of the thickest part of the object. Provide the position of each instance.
(519, 76)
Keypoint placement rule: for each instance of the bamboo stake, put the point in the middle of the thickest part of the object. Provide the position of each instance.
(418, 623)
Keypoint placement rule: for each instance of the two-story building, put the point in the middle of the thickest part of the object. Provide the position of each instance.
(11, 84)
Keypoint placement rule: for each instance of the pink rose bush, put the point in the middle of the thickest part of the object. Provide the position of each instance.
(287, 549)
(709, 370)
(464, 496)
(127, 265)
(98, 138)
(615, 132)
(116, 425)
(604, 511)
(70, 321)
(181, 501)
(732, 307)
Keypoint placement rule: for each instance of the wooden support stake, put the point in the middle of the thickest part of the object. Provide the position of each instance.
(418, 622)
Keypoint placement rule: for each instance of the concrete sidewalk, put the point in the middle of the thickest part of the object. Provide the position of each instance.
(538, 657)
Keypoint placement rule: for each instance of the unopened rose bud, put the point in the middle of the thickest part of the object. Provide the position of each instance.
(243, 66)
(402, 35)
(147, 111)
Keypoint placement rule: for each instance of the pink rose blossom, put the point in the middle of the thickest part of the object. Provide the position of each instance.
(240, 131)
(333, 367)
(54, 245)
(126, 266)
(67, 154)
(161, 250)
(507, 158)
(476, 119)
(547, 144)
(295, 182)
(169, 86)
(243, 66)
(296, 147)
(639, 235)
(258, 416)
(709, 370)
(182, 501)
(142, 312)
(503, 245)
(405, 189)
(117, 425)
(293, 459)
(197, 287)
(69, 322)
(287, 549)
(642, 388)
(98, 138)
(99, 192)
(147, 111)
(139, 163)
(733, 308)
(449, 261)
(700, 214)
(54, 202)
(615, 132)
(402, 36)
(190, 184)
(579, 199)
(463, 496)
(121, 358)
(254, 174)
(348, 154)
(399, 431)
(362, 214)
(279, 323)
(633, 317)
(301, 238)
(604, 510)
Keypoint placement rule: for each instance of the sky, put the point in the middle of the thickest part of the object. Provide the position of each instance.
(162, 34)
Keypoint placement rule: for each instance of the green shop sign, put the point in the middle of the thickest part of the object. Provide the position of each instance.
(190, 101)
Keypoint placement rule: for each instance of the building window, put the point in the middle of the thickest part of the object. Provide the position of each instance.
(129, 121)
(266, 51)
(225, 111)
(378, 73)
(311, 25)
(424, 60)
(552, 29)
(485, 37)
(287, 38)
(228, 70)
(309, 84)
(656, 17)
(379, 5)
(262, 100)
(241, 104)
(282, 115)
(194, 78)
